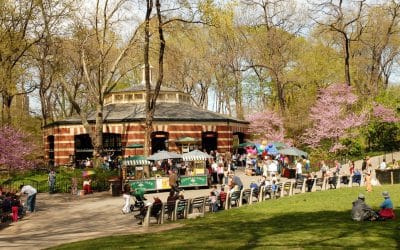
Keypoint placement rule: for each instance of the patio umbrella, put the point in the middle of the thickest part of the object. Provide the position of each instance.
(196, 155)
(246, 144)
(163, 155)
(293, 151)
(278, 144)
(271, 149)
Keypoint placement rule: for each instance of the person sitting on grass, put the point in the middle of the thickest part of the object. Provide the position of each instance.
(386, 211)
(361, 211)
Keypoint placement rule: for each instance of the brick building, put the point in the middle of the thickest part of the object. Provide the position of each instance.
(178, 125)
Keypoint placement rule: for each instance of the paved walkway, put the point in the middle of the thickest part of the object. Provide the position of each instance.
(62, 218)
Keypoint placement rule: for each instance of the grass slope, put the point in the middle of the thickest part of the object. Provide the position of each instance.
(311, 220)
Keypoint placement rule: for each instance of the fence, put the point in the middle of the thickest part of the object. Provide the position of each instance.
(62, 185)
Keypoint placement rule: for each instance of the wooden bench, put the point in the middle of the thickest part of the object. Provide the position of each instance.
(199, 204)
(233, 200)
(287, 188)
(246, 197)
(152, 211)
(319, 183)
(167, 211)
(300, 185)
(181, 209)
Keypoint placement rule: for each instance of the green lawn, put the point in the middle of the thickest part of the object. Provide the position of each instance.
(312, 220)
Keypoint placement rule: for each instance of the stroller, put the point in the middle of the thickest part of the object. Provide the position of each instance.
(139, 200)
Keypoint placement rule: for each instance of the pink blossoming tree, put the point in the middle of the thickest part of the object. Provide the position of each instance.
(384, 114)
(14, 149)
(266, 125)
(332, 117)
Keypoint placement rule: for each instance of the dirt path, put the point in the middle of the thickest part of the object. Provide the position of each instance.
(62, 218)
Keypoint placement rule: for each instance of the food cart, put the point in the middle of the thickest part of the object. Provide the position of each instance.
(196, 172)
(136, 172)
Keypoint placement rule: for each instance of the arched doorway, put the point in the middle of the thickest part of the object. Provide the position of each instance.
(238, 138)
(84, 148)
(159, 141)
(209, 140)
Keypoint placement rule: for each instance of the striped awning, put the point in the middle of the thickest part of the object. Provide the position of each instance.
(136, 160)
(196, 155)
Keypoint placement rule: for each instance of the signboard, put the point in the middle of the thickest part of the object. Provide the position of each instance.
(145, 184)
(235, 143)
(163, 183)
(193, 181)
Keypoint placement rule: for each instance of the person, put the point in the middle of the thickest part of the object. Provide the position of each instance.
(87, 186)
(214, 171)
(386, 209)
(222, 197)
(351, 167)
(299, 171)
(382, 166)
(173, 181)
(171, 200)
(361, 211)
(357, 176)
(308, 165)
(364, 163)
(324, 168)
(220, 172)
(395, 164)
(127, 198)
(310, 181)
(237, 181)
(368, 179)
(51, 179)
(213, 202)
(31, 200)
(155, 209)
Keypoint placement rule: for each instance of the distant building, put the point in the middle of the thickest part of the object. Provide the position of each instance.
(178, 125)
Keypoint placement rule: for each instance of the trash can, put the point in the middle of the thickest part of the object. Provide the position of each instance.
(115, 187)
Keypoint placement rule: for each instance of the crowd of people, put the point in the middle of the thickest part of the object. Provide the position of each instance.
(11, 205)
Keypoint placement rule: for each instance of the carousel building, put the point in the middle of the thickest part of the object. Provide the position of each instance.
(178, 125)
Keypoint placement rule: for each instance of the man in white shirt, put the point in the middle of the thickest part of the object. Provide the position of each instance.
(31, 192)
(382, 166)
(299, 170)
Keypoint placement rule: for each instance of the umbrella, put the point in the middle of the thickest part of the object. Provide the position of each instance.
(135, 145)
(137, 160)
(271, 149)
(196, 155)
(186, 140)
(162, 155)
(246, 144)
(87, 173)
(293, 151)
(278, 144)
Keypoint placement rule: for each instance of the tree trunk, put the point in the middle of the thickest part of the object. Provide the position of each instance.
(347, 59)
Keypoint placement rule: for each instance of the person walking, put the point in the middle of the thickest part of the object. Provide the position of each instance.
(31, 200)
(127, 198)
(51, 179)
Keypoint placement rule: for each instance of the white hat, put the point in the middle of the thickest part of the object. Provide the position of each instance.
(361, 196)
(385, 194)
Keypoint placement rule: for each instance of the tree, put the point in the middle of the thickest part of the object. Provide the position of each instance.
(267, 125)
(332, 116)
(101, 55)
(340, 18)
(15, 155)
(18, 28)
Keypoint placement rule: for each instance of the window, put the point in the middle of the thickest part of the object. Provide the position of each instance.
(171, 97)
(128, 97)
(119, 98)
(138, 96)
(161, 97)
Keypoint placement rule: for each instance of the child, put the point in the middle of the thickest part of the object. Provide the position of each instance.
(213, 202)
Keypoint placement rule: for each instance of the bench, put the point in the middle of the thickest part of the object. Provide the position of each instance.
(319, 183)
(300, 185)
(167, 211)
(181, 209)
(152, 210)
(233, 199)
(199, 204)
(287, 188)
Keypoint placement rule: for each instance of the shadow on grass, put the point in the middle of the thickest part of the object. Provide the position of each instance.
(330, 229)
